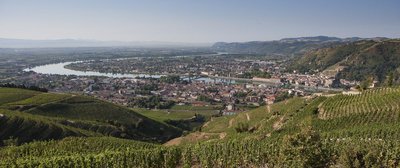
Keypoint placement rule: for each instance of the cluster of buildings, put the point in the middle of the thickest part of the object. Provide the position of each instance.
(201, 65)
(254, 90)
(123, 91)
(316, 80)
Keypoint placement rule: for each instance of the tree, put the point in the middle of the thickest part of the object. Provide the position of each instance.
(365, 84)
(170, 79)
(389, 79)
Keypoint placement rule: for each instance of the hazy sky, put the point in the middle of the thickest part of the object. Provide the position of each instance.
(197, 20)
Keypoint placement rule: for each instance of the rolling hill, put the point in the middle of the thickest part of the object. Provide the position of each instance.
(28, 115)
(283, 47)
(358, 61)
(335, 131)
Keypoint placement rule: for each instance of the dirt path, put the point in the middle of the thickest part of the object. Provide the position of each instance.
(194, 137)
(278, 124)
(269, 108)
(208, 122)
(231, 122)
(175, 141)
(222, 135)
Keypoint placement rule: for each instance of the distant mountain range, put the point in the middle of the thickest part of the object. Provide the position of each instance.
(23, 43)
(286, 46)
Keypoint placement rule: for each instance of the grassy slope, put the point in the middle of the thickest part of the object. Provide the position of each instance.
(220, 140)
(373, 111)
(71, 146)
(181, 116)
(373, 114)
(26, 127)
(83, 113)
(265, 121)
(172, 114)
(8, 95)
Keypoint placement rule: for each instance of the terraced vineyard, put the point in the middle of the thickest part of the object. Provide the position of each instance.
(373, 114)
(29, 115)
(339, 131)
(374, 105)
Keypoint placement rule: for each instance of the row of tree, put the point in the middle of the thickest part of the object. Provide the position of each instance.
(12, 85)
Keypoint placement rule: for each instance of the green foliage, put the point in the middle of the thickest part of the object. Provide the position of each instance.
(242, 127)
(282, 96)
(55, 116)
(152, 102)
(146, 89)
(284, 47)
(255, 73)
(240, 94)
(170, 79)
(305, 149)
(374, 105)
(190, 124)
(323, 58)
(339, 131)
(389, 81)
(10, 142)
(8, 95)
(361, 60)
(17, 127)
(365, 84)
(204, 98)
(34, 88)
(40, 99)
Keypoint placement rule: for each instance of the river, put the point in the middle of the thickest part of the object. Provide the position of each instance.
(59, 69)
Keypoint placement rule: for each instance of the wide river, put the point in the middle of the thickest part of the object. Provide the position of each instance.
(59, 69)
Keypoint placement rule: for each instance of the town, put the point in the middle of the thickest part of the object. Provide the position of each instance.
(230, 84)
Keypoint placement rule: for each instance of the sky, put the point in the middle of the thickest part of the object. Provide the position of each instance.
(197, 21)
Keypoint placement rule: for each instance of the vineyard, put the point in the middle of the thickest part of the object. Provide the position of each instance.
(299, 150)
(371, 114)
(339, 131)
(375, 105)
(29, 115)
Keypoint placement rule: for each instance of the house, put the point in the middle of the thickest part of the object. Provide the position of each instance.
(181, 104)
(270, 99)
(230, 107)
(229, 113)
(373, 84)
(351, 92)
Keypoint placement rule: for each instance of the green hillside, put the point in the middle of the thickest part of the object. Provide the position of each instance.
(338, 131)
(18, 127)
(62, 115)
(283, 47)
(361, 60)
(371, 114)
(8, 95)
